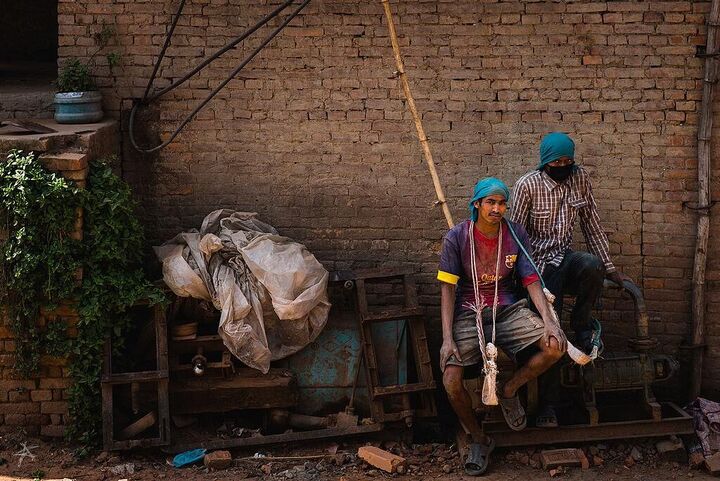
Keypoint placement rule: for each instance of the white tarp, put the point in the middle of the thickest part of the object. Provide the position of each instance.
(270, 290)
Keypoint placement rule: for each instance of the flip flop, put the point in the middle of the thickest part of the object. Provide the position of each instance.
(513, 412)
(546, 418)
(478, 458)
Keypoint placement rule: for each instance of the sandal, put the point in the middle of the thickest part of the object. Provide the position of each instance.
(513, 412)
(546, 418)
(478, 458)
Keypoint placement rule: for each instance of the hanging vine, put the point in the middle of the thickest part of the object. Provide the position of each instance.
(39, 262)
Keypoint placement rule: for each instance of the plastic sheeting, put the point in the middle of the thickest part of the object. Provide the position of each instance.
(270, 290)
(706, 418)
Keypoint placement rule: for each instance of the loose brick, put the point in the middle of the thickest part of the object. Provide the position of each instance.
(218, 460)
(65, 161)
(381, 459)
(672, 450)
(555, 458)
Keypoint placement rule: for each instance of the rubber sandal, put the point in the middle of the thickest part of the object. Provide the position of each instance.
(547, 418)
(513, 412)
(478, 458)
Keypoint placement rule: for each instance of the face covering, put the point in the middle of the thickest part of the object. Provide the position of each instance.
(559, 174)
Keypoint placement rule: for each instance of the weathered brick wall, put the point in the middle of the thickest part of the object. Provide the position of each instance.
(314, 134)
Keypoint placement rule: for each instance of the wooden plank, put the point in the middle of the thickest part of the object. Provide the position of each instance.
(278, 438)
(392, 314)
(107, 415)
(383, 273)
(130, 377)
(206, 394)
(403, 389)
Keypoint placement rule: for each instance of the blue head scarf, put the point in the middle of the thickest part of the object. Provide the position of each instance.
(553, 146)
(485, 187)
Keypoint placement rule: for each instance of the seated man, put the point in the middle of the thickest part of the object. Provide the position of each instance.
(547, 202)
(478, 263)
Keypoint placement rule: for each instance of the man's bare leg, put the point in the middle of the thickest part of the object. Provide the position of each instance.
(462, 403)
(538, 364)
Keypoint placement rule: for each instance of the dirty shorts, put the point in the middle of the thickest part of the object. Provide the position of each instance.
(516, 328)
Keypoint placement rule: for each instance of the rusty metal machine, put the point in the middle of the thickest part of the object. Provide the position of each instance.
(613, 395)
(631, 373)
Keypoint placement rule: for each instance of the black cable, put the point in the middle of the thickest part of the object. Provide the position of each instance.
(208, 60)
(168, 36)
(217, 89)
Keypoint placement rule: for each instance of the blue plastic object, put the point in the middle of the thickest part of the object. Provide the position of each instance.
(188, 457)
(78, 107)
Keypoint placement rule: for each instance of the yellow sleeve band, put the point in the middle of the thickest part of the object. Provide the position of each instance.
(447, 277)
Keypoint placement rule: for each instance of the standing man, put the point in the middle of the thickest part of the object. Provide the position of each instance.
(479, 264)
(547, 202)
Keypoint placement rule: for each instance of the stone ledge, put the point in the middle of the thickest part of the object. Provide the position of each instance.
(67, 137)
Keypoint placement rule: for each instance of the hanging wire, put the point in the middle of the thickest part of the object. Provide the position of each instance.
(146, 99)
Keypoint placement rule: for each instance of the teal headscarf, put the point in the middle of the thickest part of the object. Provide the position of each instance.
(553, 146)
(485, 187)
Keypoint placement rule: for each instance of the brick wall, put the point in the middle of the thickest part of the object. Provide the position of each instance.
(314, 134)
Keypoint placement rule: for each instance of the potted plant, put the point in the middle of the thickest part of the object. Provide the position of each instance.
(78, 100)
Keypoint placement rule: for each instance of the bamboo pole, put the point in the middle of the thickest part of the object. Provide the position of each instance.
(416, 116)
(697, 334)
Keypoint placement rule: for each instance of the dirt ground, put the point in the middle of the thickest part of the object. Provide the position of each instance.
(317, 462)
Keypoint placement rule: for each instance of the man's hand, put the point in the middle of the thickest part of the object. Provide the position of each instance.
(552, 330)
(448, 348)
(617, 277)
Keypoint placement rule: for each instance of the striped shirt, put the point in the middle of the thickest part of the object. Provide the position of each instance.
(548, 211)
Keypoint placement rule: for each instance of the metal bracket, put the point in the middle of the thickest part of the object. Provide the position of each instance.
(701, 209)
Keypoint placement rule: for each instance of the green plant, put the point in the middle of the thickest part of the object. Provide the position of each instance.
(113, 281)
(75, 77)
(39, 262)
(39, 258)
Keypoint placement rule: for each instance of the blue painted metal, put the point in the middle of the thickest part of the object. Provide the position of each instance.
(325, 369)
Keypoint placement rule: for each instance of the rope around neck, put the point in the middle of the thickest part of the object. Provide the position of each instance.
(488, 351)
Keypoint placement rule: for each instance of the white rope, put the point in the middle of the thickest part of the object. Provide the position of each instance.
(489, 350)
(575, 354)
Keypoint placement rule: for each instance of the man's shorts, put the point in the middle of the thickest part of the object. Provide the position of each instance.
(516, 328)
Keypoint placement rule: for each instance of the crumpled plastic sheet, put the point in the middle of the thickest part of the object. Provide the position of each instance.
(270, 290)
(706, 418)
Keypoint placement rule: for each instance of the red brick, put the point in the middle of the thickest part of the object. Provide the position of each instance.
(65, 161)
(553, 458)
(52, 431)
(218, 460)
(41, 395)
(15, 419)
(53, 407)
(381, 459)
(19, 408)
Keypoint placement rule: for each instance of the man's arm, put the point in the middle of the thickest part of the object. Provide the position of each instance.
(552, 326)
(447, 314)
(449, 272)
(521, 203)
